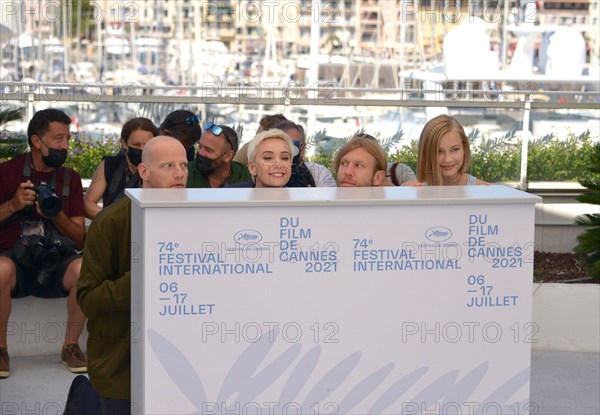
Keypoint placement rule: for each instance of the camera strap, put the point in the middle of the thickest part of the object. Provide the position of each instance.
(394, 175)
(117, 168)
(28, 175)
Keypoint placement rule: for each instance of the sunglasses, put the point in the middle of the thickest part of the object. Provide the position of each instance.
(216, 130)
(189, 121)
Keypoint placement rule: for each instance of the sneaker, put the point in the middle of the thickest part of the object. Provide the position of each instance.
(73, 358)
(4, 371)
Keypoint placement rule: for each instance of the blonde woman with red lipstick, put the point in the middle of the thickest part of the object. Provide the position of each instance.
(444, 155)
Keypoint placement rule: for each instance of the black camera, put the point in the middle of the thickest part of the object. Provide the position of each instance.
(50, 203)
(301, 176)
(42, 254)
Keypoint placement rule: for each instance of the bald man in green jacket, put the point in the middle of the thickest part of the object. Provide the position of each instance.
(104, 285)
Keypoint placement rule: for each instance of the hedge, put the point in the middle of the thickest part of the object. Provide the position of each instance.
(499, 160)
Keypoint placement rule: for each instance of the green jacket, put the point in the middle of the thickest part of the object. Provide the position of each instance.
(104, 294)
(239, 173)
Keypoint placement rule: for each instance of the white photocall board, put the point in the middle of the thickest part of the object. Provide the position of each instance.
(332, 301)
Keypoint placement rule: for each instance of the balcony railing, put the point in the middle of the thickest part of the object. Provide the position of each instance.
(521, 100)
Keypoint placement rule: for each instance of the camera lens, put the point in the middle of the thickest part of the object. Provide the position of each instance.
(50, 204)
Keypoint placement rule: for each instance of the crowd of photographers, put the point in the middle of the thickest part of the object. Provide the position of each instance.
(43, 210)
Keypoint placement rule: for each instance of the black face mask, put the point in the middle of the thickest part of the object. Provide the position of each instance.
(55, 157)
(190, 153)
(204, 164)
(134, 155)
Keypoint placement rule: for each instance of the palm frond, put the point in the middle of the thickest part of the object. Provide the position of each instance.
(388, 142)
(8, 114)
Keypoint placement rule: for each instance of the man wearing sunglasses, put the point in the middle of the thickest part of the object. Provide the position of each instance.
(214, 166)
(183, 125)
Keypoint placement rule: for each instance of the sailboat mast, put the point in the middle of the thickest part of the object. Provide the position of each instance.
(313, 69)
(504, 35)
(78, 39)
(182, 71)
(197, 37)
(66, 38)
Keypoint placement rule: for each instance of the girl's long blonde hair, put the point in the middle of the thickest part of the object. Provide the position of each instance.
(428, 168)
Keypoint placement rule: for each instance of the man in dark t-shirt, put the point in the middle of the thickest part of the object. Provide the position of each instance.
(38, 236)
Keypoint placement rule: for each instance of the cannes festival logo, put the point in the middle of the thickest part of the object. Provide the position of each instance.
(247, 236)
(438, 234)
(257, 369)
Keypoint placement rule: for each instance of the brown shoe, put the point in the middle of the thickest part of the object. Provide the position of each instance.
(4, 371)
(73, 358)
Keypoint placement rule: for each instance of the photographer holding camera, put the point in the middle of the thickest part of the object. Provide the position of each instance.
(41, 224)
